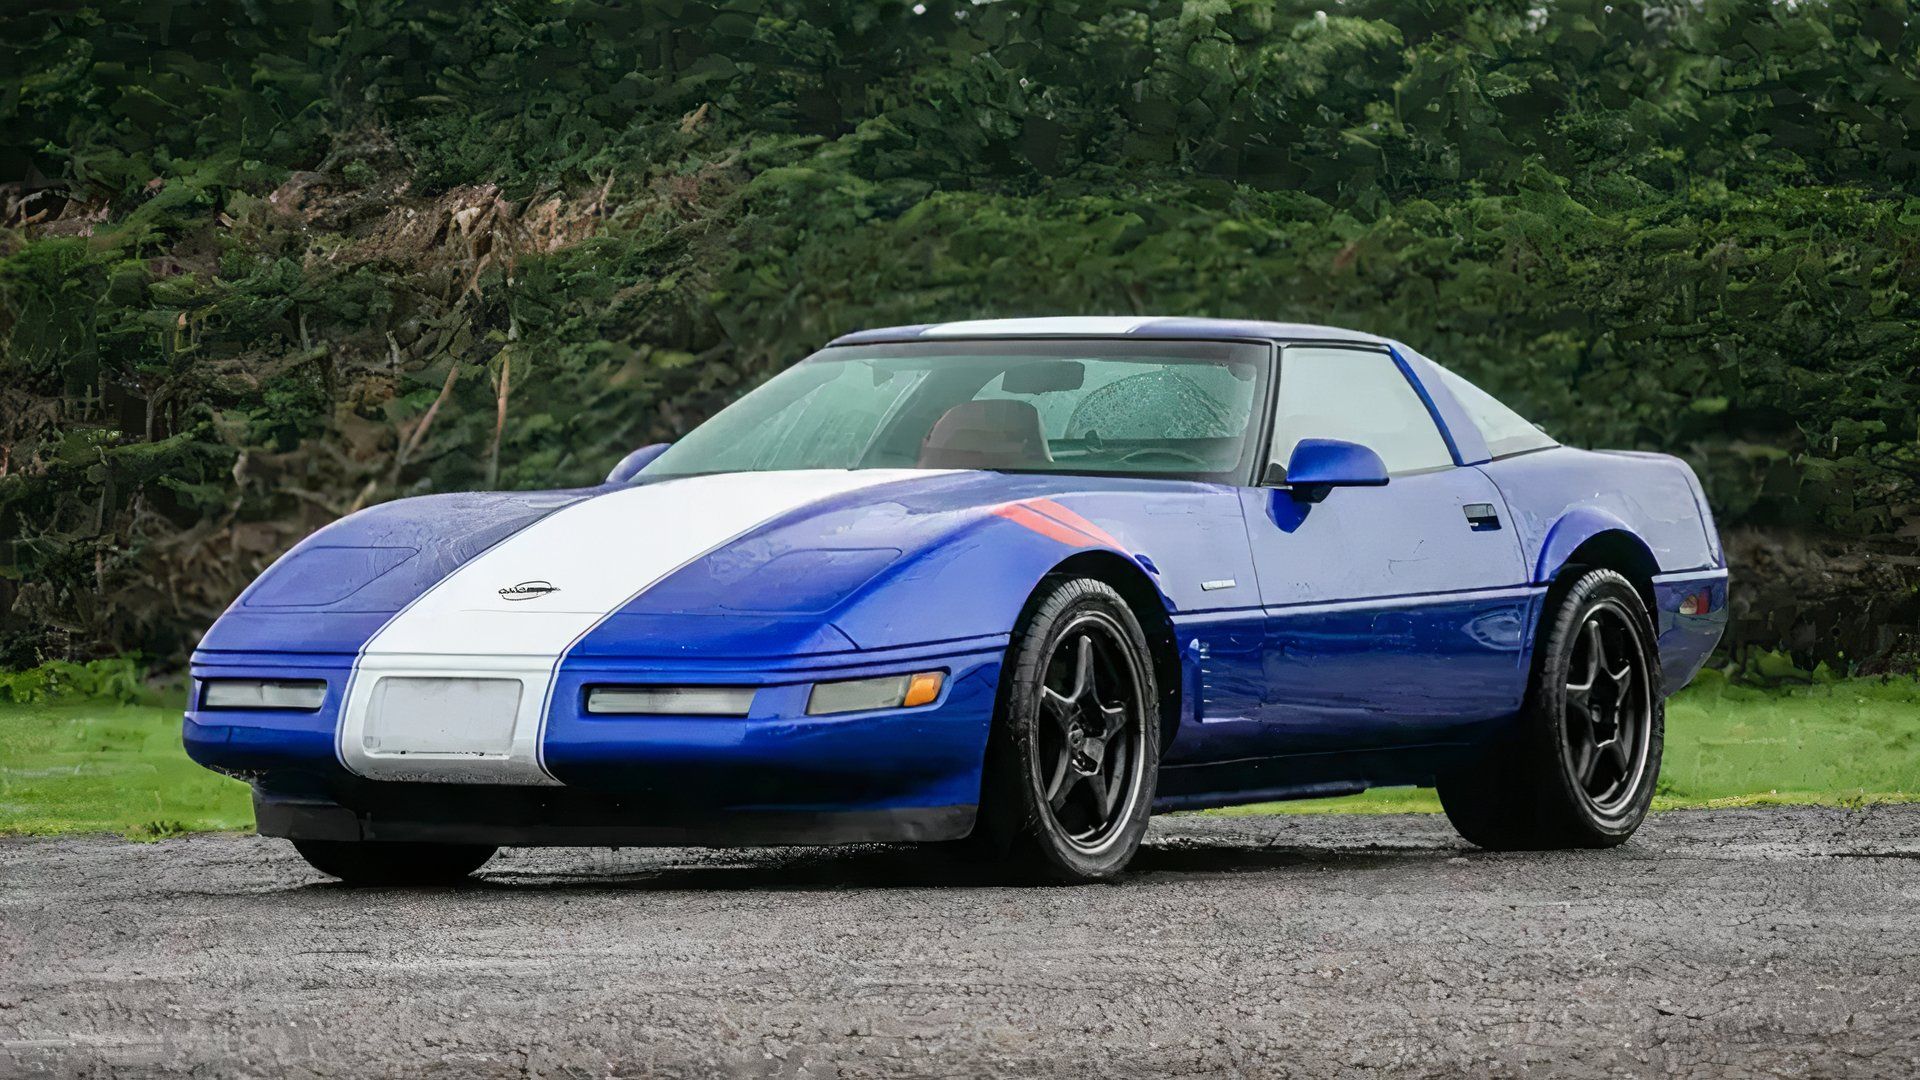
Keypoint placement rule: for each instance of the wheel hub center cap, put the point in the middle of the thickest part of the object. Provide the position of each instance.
(1086, 751)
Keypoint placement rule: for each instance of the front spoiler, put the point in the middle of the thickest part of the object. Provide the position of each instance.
(559, 817)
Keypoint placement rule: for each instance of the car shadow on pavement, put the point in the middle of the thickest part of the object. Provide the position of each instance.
(1203, 859)
(881, 867)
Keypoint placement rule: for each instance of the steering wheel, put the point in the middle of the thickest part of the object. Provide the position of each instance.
(1166, 453)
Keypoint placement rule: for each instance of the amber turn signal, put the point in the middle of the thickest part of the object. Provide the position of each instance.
(922, 688)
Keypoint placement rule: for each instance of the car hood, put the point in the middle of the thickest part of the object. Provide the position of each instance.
(496, 573)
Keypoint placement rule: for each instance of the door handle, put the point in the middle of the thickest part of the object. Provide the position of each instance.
(1481, 517)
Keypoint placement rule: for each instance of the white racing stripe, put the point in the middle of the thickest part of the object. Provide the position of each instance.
(1060, 324)
(597, 556)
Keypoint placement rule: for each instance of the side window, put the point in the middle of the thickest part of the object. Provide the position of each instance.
(1506, 431)
(1359, 396)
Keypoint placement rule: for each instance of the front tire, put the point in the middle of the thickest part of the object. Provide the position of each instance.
(1581, 768)
(1075, 750)
(373, 862)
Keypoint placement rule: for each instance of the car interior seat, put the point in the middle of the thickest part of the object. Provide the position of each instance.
(993, 434)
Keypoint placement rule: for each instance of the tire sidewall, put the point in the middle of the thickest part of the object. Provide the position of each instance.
(375, 862)
(1058, 606)
(1590, 590)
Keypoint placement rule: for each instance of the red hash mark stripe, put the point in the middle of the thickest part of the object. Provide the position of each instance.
(1056, 522)
(1074, 521)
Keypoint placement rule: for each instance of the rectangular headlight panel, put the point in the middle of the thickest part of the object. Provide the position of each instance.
(670, 700)
(885, 692)
(306, 694)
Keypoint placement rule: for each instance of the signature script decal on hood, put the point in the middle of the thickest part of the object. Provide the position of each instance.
(529, 590)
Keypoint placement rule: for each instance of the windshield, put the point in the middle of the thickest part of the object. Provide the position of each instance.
(1158, 408)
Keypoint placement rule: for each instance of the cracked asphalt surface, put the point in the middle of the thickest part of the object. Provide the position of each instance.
(1717, 943)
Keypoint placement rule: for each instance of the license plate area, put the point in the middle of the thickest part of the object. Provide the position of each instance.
(414, 714)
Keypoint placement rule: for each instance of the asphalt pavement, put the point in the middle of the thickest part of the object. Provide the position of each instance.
(1716, 943)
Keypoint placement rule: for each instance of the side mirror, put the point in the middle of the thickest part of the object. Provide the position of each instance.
(635, 461)
(1319, 465)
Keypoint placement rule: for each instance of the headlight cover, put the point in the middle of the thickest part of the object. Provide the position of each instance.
(885, 692)
(669, 700)
(303, 694)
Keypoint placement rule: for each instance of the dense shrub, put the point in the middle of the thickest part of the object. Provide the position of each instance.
(118, 680)
(250, 246)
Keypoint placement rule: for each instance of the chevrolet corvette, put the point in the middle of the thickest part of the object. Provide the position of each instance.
(1011, 584)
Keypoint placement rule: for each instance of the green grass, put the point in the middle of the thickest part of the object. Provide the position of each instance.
(91, 767)
(119, 768)
(1844, 742)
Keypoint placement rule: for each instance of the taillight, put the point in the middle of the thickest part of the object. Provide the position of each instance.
(1697, 603)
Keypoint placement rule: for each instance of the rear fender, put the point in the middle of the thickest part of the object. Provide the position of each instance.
(1576, 527)
(1561, 497)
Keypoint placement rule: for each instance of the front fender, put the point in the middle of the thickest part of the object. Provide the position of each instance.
(973, 582)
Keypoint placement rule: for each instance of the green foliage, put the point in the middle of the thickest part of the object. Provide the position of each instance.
(115, 681)
(251, 245)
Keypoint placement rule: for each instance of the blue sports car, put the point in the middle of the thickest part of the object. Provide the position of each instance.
(1019, 583)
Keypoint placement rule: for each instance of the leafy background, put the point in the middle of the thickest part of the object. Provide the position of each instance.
(265, 262)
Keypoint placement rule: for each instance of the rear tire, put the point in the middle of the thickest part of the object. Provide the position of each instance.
(1580, 769)
(373, 862)
(1075, 749)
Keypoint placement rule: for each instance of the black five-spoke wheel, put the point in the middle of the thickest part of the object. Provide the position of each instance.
(1076, 745)
(1580, 769)
(1092, 739)
(1607, 709)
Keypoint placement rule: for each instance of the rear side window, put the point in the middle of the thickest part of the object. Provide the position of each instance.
(1358, 396)
(1506, 431)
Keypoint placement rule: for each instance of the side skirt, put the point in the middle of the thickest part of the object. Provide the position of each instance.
(1303, 776)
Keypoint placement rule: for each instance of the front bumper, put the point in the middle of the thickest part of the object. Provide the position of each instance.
(774, 776)
(558, 817)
